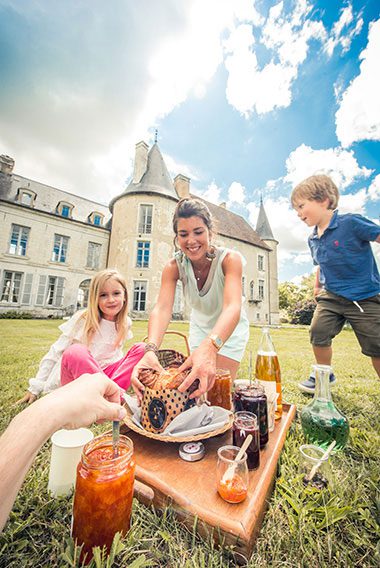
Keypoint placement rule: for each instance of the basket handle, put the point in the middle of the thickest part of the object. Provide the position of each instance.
(181, 335)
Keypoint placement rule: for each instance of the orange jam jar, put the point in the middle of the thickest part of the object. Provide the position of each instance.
(220, 392)
(103, 493)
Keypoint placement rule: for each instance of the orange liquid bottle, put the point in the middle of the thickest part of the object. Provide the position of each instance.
(268, 371)
(103, 493)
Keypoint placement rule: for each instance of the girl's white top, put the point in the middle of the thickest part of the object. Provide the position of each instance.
(102, 349)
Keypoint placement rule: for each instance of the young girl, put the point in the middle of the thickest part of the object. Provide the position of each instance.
(91, 340)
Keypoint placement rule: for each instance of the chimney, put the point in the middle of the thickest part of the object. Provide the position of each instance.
(223, 204)
(6, 164)
(141, 161)
(182, 185)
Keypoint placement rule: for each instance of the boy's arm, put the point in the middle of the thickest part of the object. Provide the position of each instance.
(378, 239)
(317, 284)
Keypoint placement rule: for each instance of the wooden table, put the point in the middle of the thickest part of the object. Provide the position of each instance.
(163, 478)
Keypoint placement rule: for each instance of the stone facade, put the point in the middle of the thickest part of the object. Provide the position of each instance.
(52, 242)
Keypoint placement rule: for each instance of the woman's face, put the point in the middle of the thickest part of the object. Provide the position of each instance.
(193, 237)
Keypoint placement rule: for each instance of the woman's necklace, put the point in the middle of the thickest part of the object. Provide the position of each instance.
(202, 272)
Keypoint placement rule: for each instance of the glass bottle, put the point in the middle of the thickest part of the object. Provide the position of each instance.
(103, 493)
(245, 423)
(321, 421)
(268, 369)
(231, 475)
(251, 397)
(220, 392)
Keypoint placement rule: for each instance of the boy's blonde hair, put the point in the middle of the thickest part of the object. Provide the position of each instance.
(93, 315)
(316, 188)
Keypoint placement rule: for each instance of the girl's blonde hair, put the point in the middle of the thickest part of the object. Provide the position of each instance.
(93, 315)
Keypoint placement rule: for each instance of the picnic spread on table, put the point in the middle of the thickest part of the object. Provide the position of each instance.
(213, 460)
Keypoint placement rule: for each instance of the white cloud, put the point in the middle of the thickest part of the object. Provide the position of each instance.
(286, 37)
(358, 116)
(212, 193)
(353, 202)
(337, 36)
(236, 193)
(374, 189)
(340, 164)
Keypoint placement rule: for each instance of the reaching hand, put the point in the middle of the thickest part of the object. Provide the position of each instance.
(203, 363)
(149, 361)
(28, 397)
(88, 399)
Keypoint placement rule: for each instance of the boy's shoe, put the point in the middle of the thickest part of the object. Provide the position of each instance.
(309, 385)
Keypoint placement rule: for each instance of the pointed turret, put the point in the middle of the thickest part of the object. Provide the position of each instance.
(150, 174)
(262, 226)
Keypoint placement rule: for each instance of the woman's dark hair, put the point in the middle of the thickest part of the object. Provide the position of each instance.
(189, 207)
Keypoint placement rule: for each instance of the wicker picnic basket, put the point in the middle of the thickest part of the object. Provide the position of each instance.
(160, 407)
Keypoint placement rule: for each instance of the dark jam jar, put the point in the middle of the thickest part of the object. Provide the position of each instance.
(245, 423)
(252, 398)
(103, 493)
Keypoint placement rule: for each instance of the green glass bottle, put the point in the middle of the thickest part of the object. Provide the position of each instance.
(321, 421)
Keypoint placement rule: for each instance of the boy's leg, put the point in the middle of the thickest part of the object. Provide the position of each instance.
(366, 326)
(76, 361)
(327, 322)
(121, 371)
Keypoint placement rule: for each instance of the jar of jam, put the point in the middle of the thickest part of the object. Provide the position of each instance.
(103, 493)
(220, 392)
(251, 397)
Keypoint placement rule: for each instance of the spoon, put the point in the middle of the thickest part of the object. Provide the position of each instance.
(115, 438)
(315, 468)
(230, 471)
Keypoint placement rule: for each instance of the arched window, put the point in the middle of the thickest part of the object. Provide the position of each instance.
(82, 297)
(64, 209)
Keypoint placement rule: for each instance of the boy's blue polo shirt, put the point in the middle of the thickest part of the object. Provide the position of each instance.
(344, 255)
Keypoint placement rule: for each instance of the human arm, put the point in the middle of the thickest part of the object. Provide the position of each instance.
(88, 399)
(377, 240)
(158, 323)
(317, 285)
(203, 358)
(47, 377)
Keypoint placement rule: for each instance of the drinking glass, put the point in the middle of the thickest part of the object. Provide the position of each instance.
(310, 455)
(246, 423)
(231, 475)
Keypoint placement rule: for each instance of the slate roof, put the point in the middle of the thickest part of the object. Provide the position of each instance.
(262, 226)
(230, 224)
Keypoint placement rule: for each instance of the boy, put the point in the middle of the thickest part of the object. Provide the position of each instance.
(347, 284)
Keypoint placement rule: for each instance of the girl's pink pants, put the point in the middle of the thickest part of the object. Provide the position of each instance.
(77, 360)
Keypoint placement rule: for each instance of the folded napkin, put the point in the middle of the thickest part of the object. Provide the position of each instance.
(196, 420)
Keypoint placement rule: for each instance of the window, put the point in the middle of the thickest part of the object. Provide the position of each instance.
(60, 248)
(143, 252)
(93, 255)
(10, 290)
(260, 262)
(258, 316)
(19, 240)
(251, 290)
(96, 218)
(50, 291)
(243, 285)
(145, 219)
(26, 197)
(261, 289)
(64, 209)
(139, 296)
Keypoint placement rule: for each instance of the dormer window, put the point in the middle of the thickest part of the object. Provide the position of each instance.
(65, 209)
(96, 219)
(26, 197)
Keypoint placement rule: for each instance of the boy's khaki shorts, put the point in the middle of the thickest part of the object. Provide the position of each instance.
(333, 311)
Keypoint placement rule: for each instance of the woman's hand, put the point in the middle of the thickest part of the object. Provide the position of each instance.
(203, 363)
(28, 397)
(149, 361)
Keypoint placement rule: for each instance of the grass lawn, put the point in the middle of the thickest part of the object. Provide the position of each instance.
(301, 528)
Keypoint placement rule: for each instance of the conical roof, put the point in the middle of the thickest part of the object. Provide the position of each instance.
(262, 226)
(156, 178)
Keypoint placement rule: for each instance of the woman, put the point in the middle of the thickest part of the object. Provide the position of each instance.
(211, 278)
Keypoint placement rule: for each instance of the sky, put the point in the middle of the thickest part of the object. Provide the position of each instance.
(248, 98)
